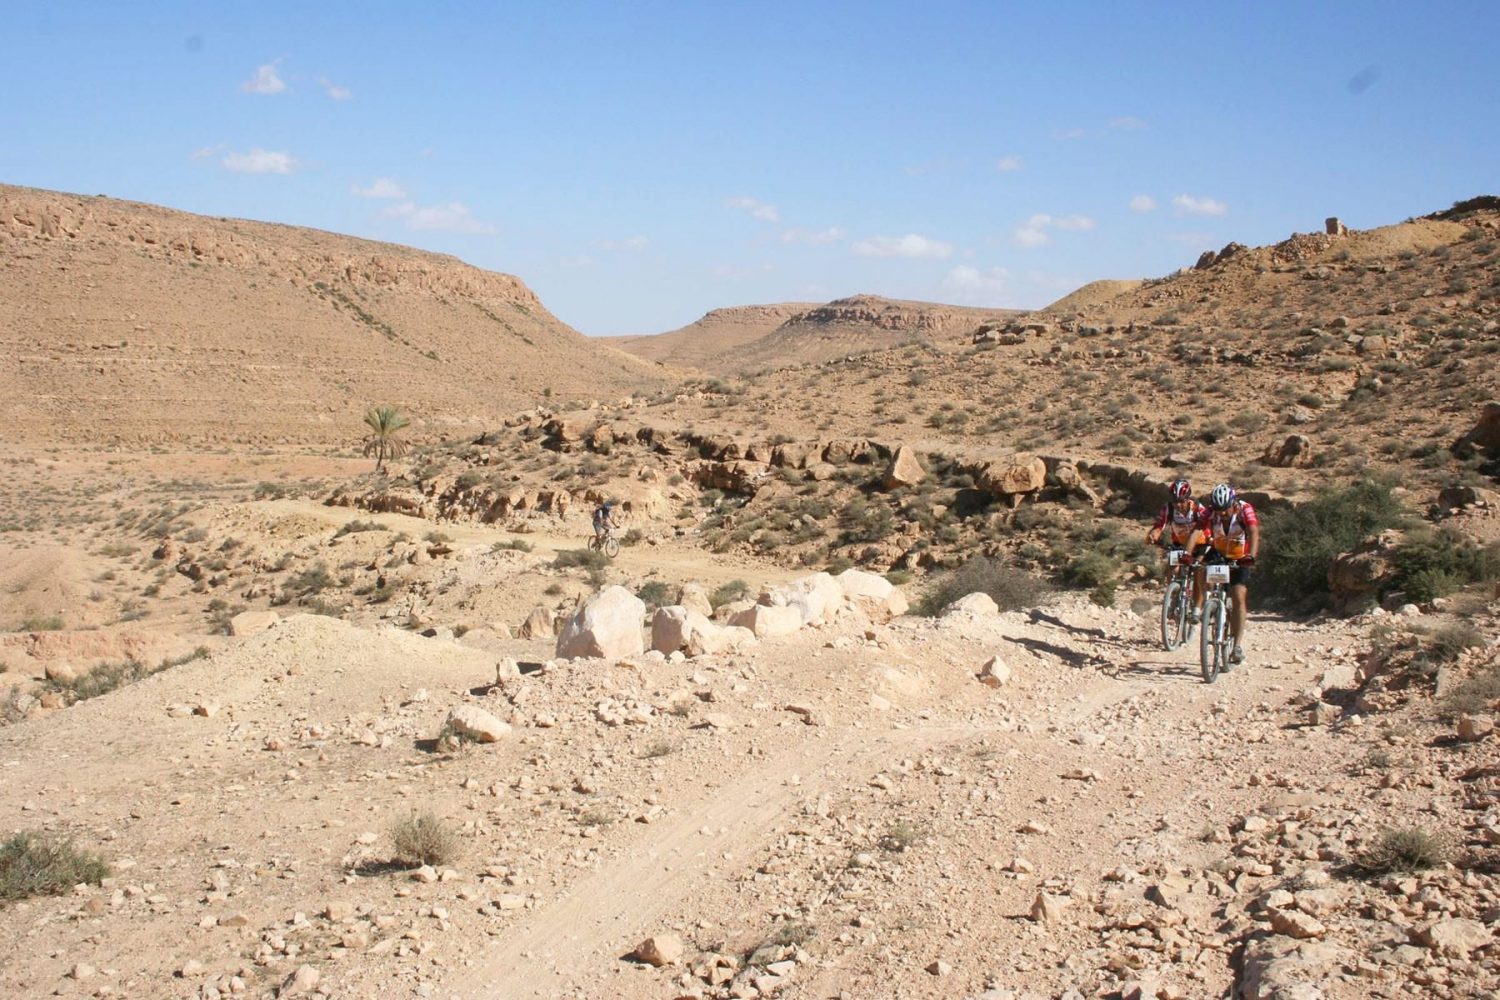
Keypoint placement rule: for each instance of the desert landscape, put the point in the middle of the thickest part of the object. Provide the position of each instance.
(873, 701)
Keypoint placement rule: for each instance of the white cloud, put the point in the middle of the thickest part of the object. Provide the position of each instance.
(1126, 123)
(1143, 203)
(453, 217)
(758, 209)
(636, 242)
(1193, 205)
(266, 80)
(737, 272)
(813, 237)
(333, 90)
(1008, 163)
(380, 187)
(260, 161)
(1068, 134)
(970, 284)
(1030, 236)
(910, 246)
(582, 260)
(1034, 232)
(209, 152)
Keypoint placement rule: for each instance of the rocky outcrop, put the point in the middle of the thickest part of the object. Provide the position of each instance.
(1012, 478)
(1484, 437)
(1356, 579)
(904, 470)
(1295, 452)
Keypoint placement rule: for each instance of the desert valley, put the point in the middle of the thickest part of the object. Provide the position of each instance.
(871, 703)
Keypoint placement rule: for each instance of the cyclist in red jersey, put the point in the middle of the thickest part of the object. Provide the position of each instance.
(1232, 529)
(1179, 522)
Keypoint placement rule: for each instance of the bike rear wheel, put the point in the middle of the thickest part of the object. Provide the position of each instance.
(1210, 639)
(1173, 615)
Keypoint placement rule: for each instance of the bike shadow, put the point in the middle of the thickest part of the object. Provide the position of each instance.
(1166, 669)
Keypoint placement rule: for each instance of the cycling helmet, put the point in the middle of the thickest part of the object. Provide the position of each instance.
(1181, 489)
(1222, 496)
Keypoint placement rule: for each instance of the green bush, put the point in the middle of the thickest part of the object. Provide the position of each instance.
(734, 590)
(1430, 564)
(38, 864)
(655, 594)
(1010, 588)
(1298, 546)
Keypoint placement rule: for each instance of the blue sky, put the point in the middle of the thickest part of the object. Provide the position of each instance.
(640, 163)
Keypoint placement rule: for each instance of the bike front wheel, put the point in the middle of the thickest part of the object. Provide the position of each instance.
(611, 547)
(1210, 639)
(1173, 615)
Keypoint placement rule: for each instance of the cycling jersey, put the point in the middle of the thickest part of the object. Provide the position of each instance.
(1228, 531)
(1179, 524)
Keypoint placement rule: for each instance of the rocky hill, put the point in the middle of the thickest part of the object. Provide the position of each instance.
(753, 338)
(132, 321)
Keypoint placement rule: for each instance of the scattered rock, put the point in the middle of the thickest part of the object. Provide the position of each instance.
(660, 950)
(476, 724)
(607, 627)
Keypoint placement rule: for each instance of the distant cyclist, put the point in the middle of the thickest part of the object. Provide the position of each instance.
(604, 520)
(1179, 521)
(1230, 527)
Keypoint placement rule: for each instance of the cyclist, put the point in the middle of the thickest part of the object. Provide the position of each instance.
(1231, 527)
(604, 520)
(1179, 522)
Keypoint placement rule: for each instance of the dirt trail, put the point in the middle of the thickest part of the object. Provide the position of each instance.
(606, 914)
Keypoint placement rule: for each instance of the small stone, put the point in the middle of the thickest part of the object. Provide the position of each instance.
(994, 673)
(426, 873)
(82, 971)
(1473, 728)
(1295, 923)
(660, 950)
(939, 968)
(338, 911)
(304, 980)
(1046, 908)
(191, 968)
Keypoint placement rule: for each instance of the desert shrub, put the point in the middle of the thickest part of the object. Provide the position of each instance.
(41, 623)
(356, 527)
(437, 537)
(633, 537)
(1095, 571)
(734, 590)
(102, 680)
(655, 594)
(1009, 587)
(1411, 849)
(512, 545)
(584, 558)
(310, 581)
(1473, 695)
(901, 836)
(470, 479)
(1298, 546)
(424, 839)
(41, 864)
(1430, 564)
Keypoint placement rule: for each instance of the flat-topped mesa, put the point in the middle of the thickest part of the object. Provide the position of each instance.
(894, 314)
(301, 256)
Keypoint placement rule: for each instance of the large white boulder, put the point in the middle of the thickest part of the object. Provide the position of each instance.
(676, 628)
(873, 594)
(818, 598)
(718, 639)
(607, 627)
(765, 621)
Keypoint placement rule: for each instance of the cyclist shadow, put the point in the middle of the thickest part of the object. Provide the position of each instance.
(1165, 669)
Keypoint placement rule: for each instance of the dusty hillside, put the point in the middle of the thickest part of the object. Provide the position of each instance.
(704, 344)
(130, 321)
(769, 338)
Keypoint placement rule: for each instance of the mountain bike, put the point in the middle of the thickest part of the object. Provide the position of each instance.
(1177, 600)
(1215, 642)
(606, 543)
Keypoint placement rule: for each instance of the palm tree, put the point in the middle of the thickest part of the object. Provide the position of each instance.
(384, 423)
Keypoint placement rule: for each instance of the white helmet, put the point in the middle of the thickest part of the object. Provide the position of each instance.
(1222, 496)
